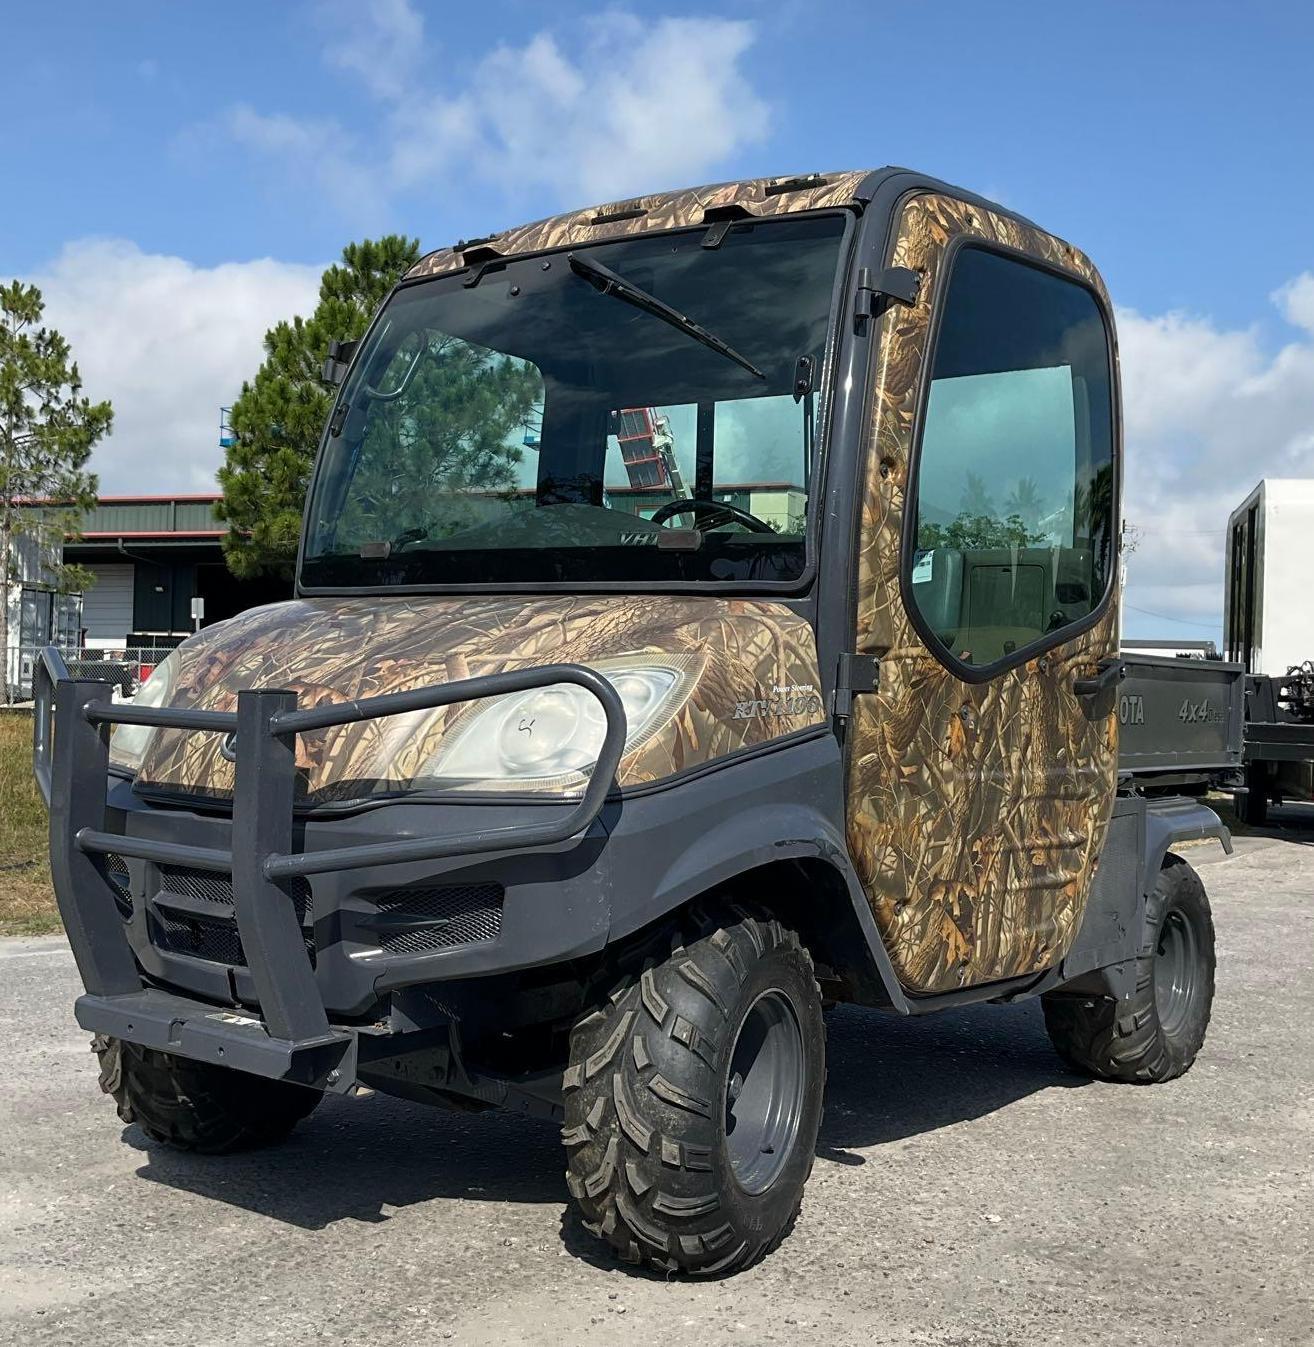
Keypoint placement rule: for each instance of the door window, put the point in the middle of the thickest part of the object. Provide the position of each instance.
(1014, 490)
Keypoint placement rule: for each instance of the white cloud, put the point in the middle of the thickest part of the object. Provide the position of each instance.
(317, 150)
(168, 343)
(379, 42)
(1296, 300)
(618, 106)
(1209, 411)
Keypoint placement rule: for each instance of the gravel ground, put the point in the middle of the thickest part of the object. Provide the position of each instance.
(966, 1191)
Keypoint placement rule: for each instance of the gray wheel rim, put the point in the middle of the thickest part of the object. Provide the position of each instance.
(764, 1092)
(1176, 972)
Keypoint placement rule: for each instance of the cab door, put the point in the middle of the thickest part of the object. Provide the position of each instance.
(980, 775)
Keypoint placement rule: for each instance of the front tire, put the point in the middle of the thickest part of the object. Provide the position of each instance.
(1155, 1033)
(193, 1106)
(693, 1099)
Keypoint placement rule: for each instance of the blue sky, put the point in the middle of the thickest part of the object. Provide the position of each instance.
(184, 171)
(1158, 135)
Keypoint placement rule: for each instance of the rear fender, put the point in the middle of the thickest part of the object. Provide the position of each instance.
(1174, 820)
(1104, 959)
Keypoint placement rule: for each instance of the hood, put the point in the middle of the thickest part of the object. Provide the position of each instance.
(750, 676)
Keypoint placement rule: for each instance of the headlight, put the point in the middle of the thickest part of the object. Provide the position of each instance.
(550, 737)
(128, 743)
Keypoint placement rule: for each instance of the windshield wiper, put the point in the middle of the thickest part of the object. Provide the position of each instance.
(607, 282)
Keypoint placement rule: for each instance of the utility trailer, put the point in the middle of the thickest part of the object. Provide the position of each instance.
(530, 799)
(1269, 623)
(1279, 748)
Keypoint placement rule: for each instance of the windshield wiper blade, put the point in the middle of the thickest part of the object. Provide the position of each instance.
(608, 282)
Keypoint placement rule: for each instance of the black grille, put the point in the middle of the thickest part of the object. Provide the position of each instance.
(212, 938)
(463, 914)
(207, 884)
(213, 887)
(215, 938)
(115, 870)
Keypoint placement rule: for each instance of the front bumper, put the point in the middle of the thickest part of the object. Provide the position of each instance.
(189, 1028)
(141, 890)
(368, 932)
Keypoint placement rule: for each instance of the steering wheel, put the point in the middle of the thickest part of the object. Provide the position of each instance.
(716, 512)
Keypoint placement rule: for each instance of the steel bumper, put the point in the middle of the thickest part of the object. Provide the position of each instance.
(288, 1036)
(177, 1024)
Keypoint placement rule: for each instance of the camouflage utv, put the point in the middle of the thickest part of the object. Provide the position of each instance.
(707, 607)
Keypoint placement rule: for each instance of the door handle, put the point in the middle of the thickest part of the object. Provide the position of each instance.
(1109, 673)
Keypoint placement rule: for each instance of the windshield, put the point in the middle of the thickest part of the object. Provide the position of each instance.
(644, 410)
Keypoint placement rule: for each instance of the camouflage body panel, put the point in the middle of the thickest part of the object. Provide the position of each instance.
(738, 656)
(976, 811)
(644, 214)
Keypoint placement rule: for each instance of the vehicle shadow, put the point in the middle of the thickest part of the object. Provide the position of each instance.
(1291, 822)
(889, 1079)
(353, 1160)
(895, 1078)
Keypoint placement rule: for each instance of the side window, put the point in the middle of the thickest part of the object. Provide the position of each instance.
(1014, 480)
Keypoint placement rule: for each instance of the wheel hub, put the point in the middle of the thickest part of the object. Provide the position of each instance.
(1176, 972)
(764, 1092)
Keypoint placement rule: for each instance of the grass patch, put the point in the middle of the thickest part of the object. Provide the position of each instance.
(27, 902)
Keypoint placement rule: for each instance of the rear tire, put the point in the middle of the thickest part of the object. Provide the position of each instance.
(1254, 800)
(1155, 1033)
(693, 1099)
(193, 1106)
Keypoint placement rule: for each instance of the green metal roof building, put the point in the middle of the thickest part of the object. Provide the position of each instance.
(151, 556)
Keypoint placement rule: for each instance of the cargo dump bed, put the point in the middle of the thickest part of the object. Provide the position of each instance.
(1180, 721)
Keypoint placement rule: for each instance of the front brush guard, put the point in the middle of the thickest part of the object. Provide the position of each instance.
(292, 1037)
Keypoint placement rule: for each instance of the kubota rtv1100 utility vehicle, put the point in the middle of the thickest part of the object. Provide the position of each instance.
(707, 605)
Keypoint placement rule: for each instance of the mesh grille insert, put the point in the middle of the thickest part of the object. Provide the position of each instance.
(463, 914)
(212, 887)
(207, 884)
(211, 938)
(215, 938)
(115, 870)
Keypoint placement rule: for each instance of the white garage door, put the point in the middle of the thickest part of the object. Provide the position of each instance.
(107, 605)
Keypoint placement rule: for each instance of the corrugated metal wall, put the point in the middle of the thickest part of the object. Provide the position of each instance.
(152, 516)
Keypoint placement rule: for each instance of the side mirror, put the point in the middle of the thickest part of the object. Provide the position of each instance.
(337, 362)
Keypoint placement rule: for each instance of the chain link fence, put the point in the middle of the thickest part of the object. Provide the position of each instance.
(125, 668)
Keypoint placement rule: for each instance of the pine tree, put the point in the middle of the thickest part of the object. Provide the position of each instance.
(47, 432)
(279, 417)
(457, 429)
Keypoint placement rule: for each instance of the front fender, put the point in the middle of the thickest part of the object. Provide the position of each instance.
(669, 847)
(744, 840)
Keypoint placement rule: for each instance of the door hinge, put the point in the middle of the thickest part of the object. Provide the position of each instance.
(856, 674)
(901, 284)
